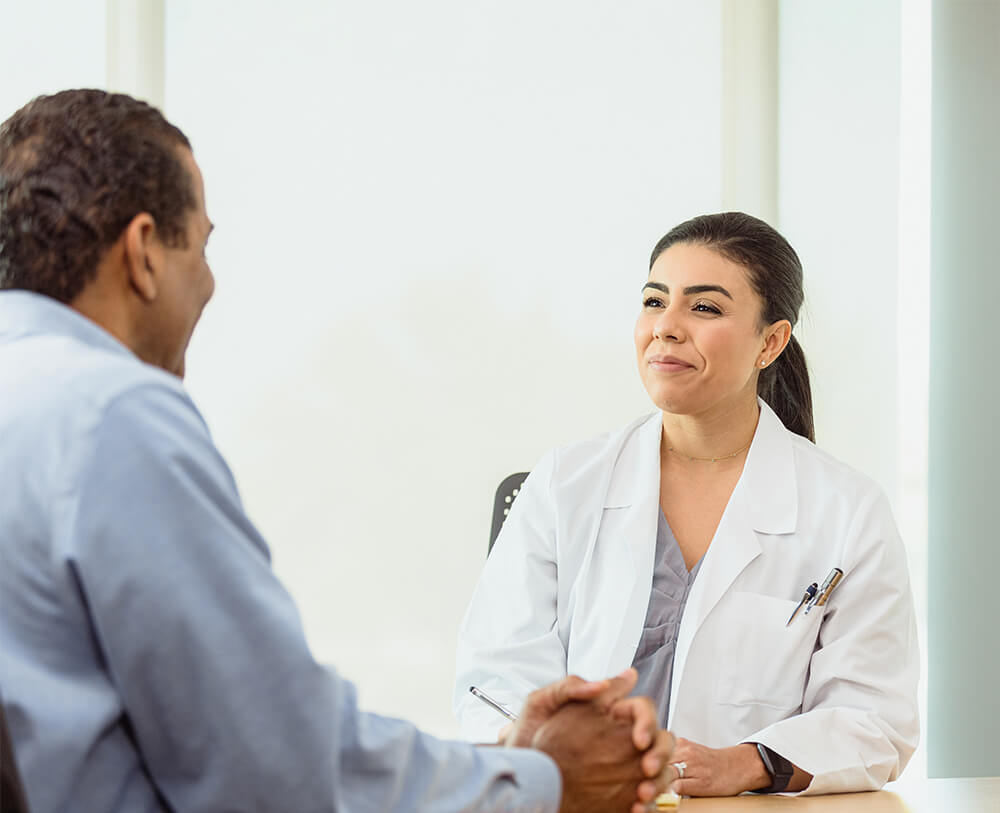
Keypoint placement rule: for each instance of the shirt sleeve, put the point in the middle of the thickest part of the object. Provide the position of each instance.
(224, 700)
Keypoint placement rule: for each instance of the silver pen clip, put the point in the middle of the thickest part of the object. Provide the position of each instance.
(807, 596)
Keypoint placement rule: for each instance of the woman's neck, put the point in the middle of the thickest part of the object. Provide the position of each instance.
(725, 434)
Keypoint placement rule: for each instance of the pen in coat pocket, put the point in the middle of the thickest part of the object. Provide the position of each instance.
(489, 701)
(824, 592)
(807, 596)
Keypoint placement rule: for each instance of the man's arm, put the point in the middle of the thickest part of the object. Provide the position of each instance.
(227, 706)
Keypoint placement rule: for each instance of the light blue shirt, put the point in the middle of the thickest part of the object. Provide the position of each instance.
(150, 660)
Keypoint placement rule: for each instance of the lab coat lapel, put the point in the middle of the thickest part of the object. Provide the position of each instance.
(634, 489)
(733, 547)
(765, 500)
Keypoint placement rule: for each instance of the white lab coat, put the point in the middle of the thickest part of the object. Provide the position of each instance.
(566, 588)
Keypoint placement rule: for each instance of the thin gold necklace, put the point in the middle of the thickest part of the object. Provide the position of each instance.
(710, 459)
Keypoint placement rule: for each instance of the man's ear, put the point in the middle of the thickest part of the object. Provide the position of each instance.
(143, 256)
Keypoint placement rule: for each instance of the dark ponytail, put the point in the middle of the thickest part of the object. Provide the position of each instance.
(784, 386)
(775, 273)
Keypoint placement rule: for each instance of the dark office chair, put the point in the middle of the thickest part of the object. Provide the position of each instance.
(12, 798)
(506, 492)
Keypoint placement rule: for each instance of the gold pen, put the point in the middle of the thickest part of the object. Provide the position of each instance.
(824, 592)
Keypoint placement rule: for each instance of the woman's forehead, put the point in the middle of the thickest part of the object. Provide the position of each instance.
(688, 264)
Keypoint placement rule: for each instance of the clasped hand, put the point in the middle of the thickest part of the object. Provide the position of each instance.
(608, 746)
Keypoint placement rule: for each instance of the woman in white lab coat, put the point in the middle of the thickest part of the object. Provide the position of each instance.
(725, 479)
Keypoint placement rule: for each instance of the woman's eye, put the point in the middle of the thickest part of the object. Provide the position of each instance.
(705, 307)
(652, 302)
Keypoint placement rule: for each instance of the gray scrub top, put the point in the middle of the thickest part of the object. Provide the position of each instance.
(654, 657)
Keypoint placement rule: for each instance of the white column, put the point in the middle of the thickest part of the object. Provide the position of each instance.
(838, 204)
(136, 49)
(750, 107)
(964, 444)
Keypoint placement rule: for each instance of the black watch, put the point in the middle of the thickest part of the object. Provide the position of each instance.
(778, 768)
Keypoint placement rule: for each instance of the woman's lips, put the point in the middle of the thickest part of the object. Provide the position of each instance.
(669, 364)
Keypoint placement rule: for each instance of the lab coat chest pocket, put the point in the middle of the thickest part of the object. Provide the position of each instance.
(765, 663)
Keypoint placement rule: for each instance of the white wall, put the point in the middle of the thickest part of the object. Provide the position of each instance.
(49, 45)
(838, 205)
(433, 224)
(853, 181)
(433, 221)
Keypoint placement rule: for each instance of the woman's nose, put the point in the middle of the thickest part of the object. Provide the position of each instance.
(667, 327)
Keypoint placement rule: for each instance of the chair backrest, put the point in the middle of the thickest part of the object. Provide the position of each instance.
(508, 489)
(12, 797)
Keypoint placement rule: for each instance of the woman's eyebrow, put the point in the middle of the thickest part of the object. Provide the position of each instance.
(691, 289)
(702, 289)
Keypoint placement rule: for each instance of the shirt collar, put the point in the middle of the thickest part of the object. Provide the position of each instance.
(24, 313)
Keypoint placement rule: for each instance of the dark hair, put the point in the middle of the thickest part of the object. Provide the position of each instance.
(75, 168)
(775, 273)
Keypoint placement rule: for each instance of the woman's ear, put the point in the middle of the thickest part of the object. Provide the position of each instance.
(143, 256)
(776, 338)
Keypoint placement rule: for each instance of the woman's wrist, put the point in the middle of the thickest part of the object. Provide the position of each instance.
(750, 767)
(755, 774)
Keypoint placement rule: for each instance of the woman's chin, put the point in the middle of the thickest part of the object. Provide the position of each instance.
(672, 404)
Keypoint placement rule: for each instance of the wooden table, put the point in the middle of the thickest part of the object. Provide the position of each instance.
(973, 795)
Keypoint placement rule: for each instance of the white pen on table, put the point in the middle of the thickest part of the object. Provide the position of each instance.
(489, 701)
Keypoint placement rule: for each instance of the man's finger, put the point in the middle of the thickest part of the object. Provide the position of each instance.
(657, 760)
(576, 688)
(618, 687)
(648, 790)
(651, 788)
(642, 714)
(551, 698)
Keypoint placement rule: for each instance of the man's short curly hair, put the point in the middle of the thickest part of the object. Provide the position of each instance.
(75, 168)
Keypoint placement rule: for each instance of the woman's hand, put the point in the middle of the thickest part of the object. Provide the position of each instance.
(718, 771)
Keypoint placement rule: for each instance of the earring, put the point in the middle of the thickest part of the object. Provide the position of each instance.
(763, 363)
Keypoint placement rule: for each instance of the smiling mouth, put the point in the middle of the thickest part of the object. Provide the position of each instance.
(669, 365)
